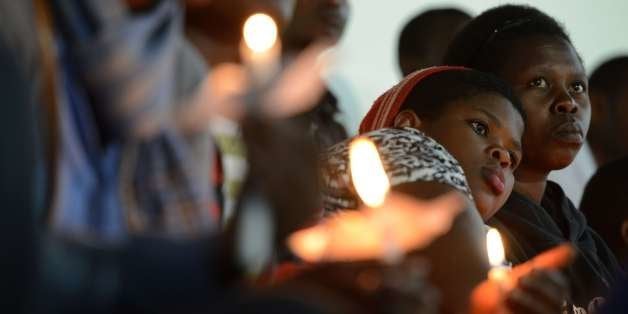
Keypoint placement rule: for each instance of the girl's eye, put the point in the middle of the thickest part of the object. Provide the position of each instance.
(539, 82)
(479, 127)
(578, 88)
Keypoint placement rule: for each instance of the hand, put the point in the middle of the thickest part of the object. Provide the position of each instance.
(533, 287)
(539, 292)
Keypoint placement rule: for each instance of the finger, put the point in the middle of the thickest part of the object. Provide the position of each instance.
(520, 301)
(486, 298)
(554, 258)
(553, 278)
(547, 287)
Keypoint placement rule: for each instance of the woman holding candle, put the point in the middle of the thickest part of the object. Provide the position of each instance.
(532, 52)
(477, 119)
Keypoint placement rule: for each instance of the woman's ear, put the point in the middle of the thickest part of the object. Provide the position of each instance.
(407, 118)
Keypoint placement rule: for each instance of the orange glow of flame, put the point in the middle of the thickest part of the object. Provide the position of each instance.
(368, 174)
(309, 244)
(407, 224)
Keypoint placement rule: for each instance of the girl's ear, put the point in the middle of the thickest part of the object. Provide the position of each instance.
(407, 118)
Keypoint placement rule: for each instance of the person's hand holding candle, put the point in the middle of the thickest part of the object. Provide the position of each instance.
(536, 286)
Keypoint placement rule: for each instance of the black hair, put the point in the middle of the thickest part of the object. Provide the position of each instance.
(425, 37)
(481, 44)
(610, 77)
(431, 96)
(605, 202)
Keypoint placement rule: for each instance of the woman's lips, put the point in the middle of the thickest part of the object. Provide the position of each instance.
(569, 132)
(494, 179)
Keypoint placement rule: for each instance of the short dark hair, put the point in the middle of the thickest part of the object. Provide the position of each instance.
(610, 77)
(430, 97)
(482, 42)
(605, 202)
(423, 36)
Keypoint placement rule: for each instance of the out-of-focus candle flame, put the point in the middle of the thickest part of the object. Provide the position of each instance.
(495, 248)
(355, 235)
(260, 32)
(368, 174)
(310, 244)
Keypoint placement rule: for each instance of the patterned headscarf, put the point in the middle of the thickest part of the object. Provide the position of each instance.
(385, 108)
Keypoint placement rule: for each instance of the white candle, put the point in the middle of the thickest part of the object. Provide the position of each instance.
(372, 185)
(499, 268)
(260, 48)
(367, 173)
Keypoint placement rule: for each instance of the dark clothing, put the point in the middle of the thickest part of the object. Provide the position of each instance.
(18, 142)
(322, 122)
(618, 303)
(529, 229)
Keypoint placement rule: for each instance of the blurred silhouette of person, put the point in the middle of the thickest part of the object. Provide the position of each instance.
(425, 38)
(110, 166)
(608, 89)
(17, 185)
(318, 21)
(215, 28)
(605, 204)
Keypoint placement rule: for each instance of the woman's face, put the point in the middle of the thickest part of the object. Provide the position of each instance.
(549, 78)
(483, 133)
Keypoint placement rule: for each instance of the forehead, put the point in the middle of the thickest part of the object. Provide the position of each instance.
(541, 53)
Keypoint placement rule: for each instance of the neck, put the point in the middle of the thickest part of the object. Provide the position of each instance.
(531, 184)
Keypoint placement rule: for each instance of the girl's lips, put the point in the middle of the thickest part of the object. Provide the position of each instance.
(569, 132)
(494, 179)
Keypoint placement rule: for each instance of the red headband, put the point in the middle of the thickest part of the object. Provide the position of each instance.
(385, 108)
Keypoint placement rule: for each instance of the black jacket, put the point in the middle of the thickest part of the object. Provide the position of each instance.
(529, 229)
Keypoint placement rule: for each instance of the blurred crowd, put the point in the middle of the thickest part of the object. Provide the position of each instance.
(189, 156)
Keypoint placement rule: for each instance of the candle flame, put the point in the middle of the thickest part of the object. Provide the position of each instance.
(310, 244)
(260, 32)
(368, 174)
(495, 247)
(357, 235)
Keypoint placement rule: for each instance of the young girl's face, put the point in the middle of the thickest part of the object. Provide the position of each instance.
(483, 133)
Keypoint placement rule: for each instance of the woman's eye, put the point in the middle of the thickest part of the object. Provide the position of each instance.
(578, 88)
(479, 128)
(539, 82)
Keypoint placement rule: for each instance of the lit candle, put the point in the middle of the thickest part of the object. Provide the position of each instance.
(388, 226)
(368, 175)
(372, 185)
(260, 48)
(499, 268)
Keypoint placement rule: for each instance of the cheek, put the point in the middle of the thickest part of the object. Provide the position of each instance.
(585, 113)
(537, 122)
